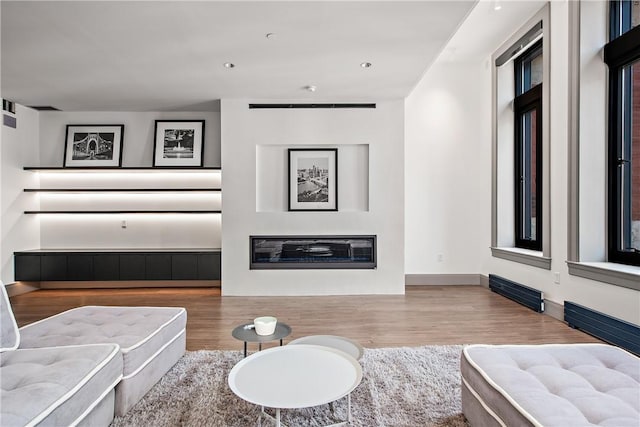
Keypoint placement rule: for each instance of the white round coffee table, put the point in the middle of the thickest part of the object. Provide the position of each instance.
(347, 345)
(296, 376)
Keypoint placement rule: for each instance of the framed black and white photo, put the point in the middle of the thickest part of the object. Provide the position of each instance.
(313, 179)
(93, 146)
(178, 143)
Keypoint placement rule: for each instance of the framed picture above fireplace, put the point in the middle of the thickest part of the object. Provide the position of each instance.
(313, 179)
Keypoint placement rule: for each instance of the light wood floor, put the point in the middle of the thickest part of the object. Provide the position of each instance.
(424, 315)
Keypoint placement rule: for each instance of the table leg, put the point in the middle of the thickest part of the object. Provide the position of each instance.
(245, 349)
(259, 346)
(349, 408)
(280, 342)
(277, 417)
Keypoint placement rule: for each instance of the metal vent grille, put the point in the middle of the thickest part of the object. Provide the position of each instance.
(522, 294)
(325, 105)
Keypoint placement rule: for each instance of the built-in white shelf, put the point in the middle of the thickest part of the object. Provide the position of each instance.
(121, 190)
(122, 169)
(96, 187)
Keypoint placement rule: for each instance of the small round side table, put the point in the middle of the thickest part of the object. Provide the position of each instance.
(245, 334)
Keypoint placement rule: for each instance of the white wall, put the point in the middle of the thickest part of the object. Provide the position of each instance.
(143, 230)
(448, 170)
(447, 173)
(247, 132)
(138, 133)
(19, 147)
(593, 132)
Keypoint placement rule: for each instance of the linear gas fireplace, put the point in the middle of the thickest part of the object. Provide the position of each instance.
(312, 252)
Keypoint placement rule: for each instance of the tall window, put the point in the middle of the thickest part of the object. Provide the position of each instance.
(622, 55)
(527, 106)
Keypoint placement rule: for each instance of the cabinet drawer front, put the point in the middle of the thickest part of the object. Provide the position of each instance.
(209, 266)
(53, 267)
(132, 267)
(184, 266)
(106, 267)
(27, 268)
(158, 266)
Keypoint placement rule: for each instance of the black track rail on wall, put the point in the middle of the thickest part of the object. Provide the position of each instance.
(349, 105)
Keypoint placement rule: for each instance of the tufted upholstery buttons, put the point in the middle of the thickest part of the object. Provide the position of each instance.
(139, 331)
(557, 385)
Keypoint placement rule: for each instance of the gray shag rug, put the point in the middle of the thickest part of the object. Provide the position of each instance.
(400, 387)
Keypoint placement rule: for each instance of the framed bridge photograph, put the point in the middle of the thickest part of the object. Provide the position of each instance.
(178, 143)
(90, 146)
(313, 179)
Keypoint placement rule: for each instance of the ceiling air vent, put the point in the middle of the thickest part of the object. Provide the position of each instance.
(44, 108)
(350, 105)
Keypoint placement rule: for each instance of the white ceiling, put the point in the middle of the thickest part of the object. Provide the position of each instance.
(169, 55)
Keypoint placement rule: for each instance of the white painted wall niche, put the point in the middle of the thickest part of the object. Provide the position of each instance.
(272, 176)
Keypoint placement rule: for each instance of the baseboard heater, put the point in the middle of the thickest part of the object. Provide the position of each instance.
(522, 294)
(325, 105)
(600, 325)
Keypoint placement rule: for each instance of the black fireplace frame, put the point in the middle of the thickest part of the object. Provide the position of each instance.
(355, 257)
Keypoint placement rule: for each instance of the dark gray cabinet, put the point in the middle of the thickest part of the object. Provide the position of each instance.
(132, 267)
(46, 265)
(27, 268)
(53, 267)
(79, 267)
(158, 266)
(209, 266)
(106, 267)
(184, 267)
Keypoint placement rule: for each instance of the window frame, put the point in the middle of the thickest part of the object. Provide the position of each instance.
(502, 155)
(524, 102)
(622, 50)
(588, 103)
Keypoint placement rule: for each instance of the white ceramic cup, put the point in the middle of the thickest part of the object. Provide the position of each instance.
(265, 325)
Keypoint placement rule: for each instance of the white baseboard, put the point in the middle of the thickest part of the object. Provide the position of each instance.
(484, 281)
(441, 279)
(554, 310)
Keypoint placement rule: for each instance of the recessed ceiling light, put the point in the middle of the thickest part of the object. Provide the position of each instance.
(366, 64)
(497, 5)
(270, 35)
(310, 88)
(229, 65)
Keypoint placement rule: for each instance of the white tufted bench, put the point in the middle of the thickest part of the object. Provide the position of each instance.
(559, 385)
(54, 386)
(59, 386)
(151, 341)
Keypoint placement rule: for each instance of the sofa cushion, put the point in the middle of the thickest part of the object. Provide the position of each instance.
(9, 335)
(56, 386)
(555, 385)
(141, 332)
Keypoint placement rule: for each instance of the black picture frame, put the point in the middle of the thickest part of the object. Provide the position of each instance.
(312, 179)
(178, 143)
(93, 146)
